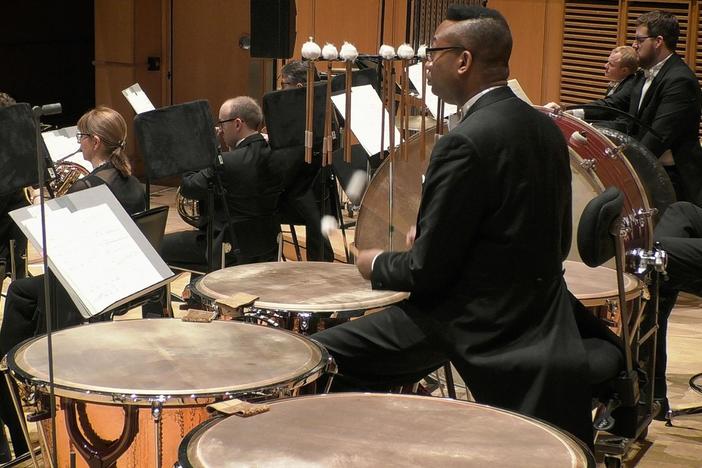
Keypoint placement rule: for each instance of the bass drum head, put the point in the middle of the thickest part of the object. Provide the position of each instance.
(585, 186)
(373, 226)
(599, 157)
(659, 189)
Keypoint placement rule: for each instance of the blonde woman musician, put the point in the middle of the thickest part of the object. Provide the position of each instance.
(102, 134)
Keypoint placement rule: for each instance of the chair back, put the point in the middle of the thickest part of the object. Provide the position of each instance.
(152, 224)
(595, 242)
(256, 240)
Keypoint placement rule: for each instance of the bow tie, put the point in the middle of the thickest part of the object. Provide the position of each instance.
(648, 74)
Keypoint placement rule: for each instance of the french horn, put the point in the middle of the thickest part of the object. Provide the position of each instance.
(67, 173)
(189, 210)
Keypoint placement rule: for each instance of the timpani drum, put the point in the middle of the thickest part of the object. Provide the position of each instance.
(304, 297)
(369, 430)
(128, 391)
(597, 289)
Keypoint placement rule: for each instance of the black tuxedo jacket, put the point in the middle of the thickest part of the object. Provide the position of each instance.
(251, 188)
(127, 190)
(671, 107)
(623, 86)
(493, 228)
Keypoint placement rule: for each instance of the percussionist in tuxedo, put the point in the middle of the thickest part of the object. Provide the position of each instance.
(483, 267)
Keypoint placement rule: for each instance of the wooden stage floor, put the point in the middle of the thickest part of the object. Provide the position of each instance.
(677, 446)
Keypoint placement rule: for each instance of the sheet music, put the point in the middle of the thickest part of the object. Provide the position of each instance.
(92, 252)
(138, 99)
(519, 91)
(61, 143)
(431, 100)
(366, 119)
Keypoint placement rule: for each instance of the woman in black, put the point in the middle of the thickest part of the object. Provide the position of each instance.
(102, 134)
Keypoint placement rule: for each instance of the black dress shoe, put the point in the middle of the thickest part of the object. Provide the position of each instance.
(663, 407)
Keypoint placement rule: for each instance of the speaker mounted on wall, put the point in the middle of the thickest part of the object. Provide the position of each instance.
(273, 28)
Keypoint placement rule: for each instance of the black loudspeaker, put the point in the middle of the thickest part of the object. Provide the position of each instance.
(273, 28)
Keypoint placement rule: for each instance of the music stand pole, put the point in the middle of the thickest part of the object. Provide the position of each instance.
(37, 112)
(210, 227)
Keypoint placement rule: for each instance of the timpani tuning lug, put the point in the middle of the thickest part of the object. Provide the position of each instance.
(641, 260)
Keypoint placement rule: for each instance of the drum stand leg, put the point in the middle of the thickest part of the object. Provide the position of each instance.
(156, 416)
(450, 385)
(22, 420)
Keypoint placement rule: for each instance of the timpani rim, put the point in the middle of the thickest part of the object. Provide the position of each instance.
(169, 397)
(384, 297)
(633, 286)
(577, 449)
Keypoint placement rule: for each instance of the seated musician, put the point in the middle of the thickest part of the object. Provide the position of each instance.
(8, 228)
(299, 199)
(666, 100)
(251, 189)
(484, 269)
(680, 235)
(620, 68)
(102, 134)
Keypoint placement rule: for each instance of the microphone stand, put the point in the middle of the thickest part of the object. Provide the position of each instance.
(217, 185)
(38, 111)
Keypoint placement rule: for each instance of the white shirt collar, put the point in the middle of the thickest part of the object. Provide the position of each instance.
(653, 71)
(471, 101)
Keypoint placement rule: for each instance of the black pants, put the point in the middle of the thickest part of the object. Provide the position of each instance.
(24, 317)
(680, 234)
(304, 210)
(383, 349)
(400, 345)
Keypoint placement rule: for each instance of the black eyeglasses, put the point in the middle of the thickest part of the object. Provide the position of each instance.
(220, 122)
(80, 136)
(431, 50)
(640, 39)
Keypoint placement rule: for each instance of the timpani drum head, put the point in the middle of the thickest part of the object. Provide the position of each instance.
(592, 286)
(370, 430)
(298, 286)
(167, 359)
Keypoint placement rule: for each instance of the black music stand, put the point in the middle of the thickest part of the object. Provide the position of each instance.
(18, 149)
(179, 139)
(285, 112)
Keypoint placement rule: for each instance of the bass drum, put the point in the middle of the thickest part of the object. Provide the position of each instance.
(373, 227)
(594, 161)
(657, 185)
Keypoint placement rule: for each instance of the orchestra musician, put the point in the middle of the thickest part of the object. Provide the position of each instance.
(102, 134)
(620, 68)
(680, 235)
(251, 188)
(665, 98)
(485, 264)
(8, 229)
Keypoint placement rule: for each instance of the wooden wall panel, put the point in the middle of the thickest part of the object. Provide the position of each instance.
(527, 20)
(207, 60)
(114, 30)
